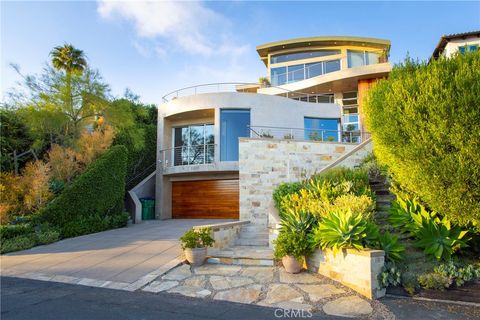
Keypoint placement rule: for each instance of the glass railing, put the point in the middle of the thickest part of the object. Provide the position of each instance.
(319, 135)
(303, 71)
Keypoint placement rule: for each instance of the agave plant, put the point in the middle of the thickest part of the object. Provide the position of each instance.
(393, 250)
(343, 229)
(297, 221)
(441, 240)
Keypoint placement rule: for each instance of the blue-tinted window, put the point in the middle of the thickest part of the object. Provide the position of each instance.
(234, 123)
(362, 58)
(278, 76)
(302, 55)
(313, 69)
(473, 48)
(296, 73)
(331, 66)
(461, 50)
(319, 129)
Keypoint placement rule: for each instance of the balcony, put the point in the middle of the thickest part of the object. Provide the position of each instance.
(193, 158)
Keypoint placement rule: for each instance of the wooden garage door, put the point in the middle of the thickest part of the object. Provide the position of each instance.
(212, 199)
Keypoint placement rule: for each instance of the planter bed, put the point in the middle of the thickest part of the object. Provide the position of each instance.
(470, 292)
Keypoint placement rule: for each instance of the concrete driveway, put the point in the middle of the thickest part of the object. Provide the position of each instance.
(115, 258)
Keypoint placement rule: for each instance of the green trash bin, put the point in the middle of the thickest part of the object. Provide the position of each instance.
(148, 208)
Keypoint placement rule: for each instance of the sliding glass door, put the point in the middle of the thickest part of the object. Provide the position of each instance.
(194, 144)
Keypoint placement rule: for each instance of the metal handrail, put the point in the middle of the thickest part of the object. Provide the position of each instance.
(188, 155)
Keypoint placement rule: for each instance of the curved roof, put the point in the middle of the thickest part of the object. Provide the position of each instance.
(264, 49)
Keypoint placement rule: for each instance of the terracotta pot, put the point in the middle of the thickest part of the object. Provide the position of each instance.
(291, 264)
(195, 256)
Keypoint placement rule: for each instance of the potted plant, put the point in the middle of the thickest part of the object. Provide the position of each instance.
(292, 247)
(195, 243)
(264, 82)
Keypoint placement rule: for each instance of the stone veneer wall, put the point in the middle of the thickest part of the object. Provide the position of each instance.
(224, 234)
(358, 270)
(265, 163)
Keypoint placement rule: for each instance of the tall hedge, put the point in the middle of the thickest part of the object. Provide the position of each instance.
(425, 125)
(93, 196)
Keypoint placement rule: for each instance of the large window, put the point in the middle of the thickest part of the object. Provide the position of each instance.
(278, 58)
(234, 124)
(350, 118)
(289, 74)
(362, 58)
(193, 144)
(319, 129)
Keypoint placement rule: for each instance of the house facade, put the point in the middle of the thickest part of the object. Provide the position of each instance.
(312, 100)
(458, 42)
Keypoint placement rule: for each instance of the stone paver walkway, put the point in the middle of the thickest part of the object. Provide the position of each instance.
(125, 258)
(267, 286)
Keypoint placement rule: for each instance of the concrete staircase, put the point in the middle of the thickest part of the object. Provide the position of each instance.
(251, 248)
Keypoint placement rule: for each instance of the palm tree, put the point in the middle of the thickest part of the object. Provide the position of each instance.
(68, 58)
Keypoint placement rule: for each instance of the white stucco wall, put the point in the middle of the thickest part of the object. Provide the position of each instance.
(452, 45)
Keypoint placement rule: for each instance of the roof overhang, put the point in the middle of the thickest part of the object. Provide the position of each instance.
(265, 49)
(447, 38)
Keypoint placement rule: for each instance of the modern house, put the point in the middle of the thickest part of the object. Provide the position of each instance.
(313, 96)
(458, 42)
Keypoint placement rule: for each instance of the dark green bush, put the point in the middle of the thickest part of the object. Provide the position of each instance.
(197, 238)
(83, 205)
(18, 243)
(282, 190)
(46, 237)
(294, 244)
(10, 231)
(425, 125)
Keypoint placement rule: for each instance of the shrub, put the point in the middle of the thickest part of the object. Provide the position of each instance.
(434, 280)
(393, 250)
(62, 162)
(344, 230)
(294, 244)
(425, 126)
(200, 238)
(17, 243)
(46, 237)
(14, 230)
(282, 191)
(362, 205)
(93, 144)
(319, 194)
(95, 194)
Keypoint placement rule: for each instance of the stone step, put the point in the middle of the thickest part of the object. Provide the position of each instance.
(382, 192)
(243, 255)
(253, 228)
(252, 235)
(261, 242)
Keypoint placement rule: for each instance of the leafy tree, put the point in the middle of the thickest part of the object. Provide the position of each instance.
(14, 136)
(139, 139)
(67, 97)
(68, 58)
(425, 124)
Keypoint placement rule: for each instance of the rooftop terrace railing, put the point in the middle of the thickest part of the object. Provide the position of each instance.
(323, 135)
(229, 87)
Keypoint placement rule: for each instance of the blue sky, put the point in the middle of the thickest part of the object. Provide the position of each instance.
(155, 48)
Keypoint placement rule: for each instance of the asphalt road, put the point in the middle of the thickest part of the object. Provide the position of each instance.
(32, 299)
